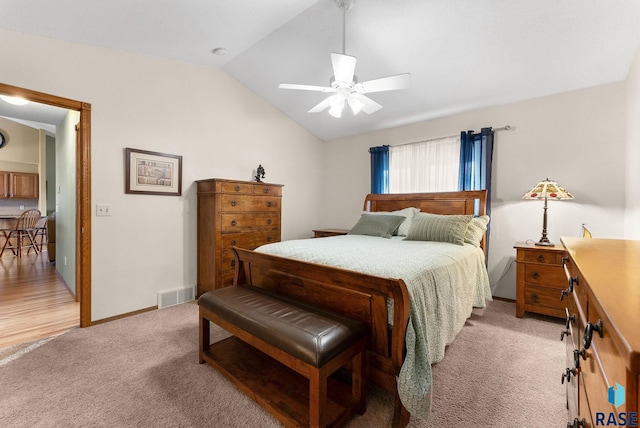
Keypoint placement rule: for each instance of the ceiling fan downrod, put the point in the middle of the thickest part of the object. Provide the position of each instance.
(345, 5)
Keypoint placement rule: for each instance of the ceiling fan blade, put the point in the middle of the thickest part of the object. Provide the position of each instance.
(322, 105)
(343, 67)
(306, 87)
(369, 106)
(391, 83)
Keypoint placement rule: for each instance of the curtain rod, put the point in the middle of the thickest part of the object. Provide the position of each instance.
(504, 128)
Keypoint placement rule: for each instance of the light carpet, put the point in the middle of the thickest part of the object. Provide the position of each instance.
(143, 371)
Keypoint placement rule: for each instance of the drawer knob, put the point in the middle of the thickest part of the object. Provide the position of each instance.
(266, 190)
(237, 188)
(588, 333)
(234, 203)
(573, 280)
(268, 239)
(269, 204)
(576, 356)
(535, 275)
(565, 260)
(233, 222)
(564, 293)
(571, 319)
(540, 258)
(577, 423)
(567, 374)
(233, 242)
(564, 333)
(233, 262)
(535, 297)
(269, 221)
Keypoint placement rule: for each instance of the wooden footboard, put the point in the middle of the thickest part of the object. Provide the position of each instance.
(353, 294)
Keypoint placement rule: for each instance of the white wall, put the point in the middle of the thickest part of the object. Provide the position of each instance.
(219, 127)
(576, 138)
(632, 180)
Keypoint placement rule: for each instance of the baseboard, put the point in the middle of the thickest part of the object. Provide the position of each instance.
(504, 299)
(128, 314)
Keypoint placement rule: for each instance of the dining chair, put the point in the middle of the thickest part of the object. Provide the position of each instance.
(40, 234)
(23, 233)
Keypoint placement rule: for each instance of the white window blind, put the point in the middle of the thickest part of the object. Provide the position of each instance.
(429, 166)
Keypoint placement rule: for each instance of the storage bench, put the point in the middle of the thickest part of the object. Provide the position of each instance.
(282, 354)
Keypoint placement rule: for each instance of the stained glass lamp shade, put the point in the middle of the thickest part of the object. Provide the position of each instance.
(547, 189)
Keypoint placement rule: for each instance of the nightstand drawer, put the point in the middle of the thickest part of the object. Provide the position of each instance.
(552, 276)
(542, 256)
(543, 300)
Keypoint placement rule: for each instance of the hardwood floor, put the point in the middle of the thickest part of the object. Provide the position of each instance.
(34, 301)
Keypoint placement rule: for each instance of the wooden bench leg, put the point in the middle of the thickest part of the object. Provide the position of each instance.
(205, 337)
(317, 397)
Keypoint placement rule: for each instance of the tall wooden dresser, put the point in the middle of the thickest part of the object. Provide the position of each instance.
(602, 332)
(233, 213)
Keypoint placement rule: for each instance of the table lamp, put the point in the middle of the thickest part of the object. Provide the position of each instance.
(547, 189)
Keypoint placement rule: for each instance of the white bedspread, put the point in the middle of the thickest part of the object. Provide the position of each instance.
(445, 281)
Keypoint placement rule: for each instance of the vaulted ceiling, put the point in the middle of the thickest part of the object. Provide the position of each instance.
(462, 54)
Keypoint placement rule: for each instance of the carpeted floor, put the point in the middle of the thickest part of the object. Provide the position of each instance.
(143, 371)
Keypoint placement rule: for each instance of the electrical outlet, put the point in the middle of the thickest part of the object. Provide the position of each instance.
(103, 210)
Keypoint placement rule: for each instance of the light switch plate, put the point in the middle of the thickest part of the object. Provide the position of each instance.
(103, 210)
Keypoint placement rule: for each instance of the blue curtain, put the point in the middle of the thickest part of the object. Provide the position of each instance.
(476, 153)
(379, 169)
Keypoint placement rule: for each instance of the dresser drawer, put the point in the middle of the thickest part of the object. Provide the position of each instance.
(572, 385)
(553, 276)
(267, 190)
(246, 222)
(543, 300)
(612, 362)
(250, 240)
(585, 409)
(239, 188)
(575, 321)
(594, 384)
(237, 203)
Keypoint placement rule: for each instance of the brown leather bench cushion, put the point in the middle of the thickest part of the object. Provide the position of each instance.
(305, 332)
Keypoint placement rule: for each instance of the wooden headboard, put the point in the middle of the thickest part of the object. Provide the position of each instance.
(464, 202)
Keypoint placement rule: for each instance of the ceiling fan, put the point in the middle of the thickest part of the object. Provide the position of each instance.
(344, 84)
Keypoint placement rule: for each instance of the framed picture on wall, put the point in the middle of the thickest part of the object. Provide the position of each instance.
(152, 173)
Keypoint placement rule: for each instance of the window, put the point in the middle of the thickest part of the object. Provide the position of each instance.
(429, 166)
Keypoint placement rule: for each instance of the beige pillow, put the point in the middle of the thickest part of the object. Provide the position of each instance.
(476, 229)
(377, 225)
(439, 228)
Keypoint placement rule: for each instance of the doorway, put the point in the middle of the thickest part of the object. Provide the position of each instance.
(83, 190)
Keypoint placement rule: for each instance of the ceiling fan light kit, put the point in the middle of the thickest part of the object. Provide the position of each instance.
(344, 84)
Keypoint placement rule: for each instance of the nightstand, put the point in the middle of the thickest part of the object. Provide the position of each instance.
(540, 279)
(322, 233)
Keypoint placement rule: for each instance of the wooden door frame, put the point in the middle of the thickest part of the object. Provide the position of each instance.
(83, 190)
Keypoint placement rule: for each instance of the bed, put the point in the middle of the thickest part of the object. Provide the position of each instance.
(414, 294)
